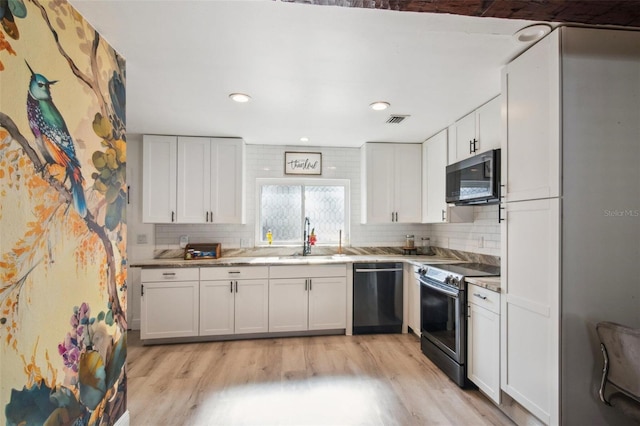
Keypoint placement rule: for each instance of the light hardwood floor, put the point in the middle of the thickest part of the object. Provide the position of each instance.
(333, 380)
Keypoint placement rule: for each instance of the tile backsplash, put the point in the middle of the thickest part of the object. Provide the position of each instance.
(482, 236)
(267, 161)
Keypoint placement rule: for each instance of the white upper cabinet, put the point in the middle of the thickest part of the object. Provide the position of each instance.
(210, 184)
(476, 132)
(531, 148)
(159, 178)
(434, 207)
(193, 180)
(392, 184)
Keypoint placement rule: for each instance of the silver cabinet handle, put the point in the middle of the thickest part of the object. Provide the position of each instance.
(230, 286)
(306, 284)
(234, 272)
(480, 296)
(236, 286)
(168, 273)
(443, 219)
(172, 216)
(310, 285)
(206, 217)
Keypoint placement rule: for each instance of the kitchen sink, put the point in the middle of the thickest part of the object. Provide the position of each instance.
(306, 259)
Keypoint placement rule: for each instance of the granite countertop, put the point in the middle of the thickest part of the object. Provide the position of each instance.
(490, 283)
(289, 260)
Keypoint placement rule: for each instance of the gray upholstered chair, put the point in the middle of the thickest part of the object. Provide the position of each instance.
(621, 350)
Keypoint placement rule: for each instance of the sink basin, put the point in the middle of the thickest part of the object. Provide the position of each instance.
(307, 259)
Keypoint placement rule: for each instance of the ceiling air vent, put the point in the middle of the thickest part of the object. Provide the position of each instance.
(396, 119)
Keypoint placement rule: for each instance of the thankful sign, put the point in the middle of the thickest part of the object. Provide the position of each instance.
(302, 163)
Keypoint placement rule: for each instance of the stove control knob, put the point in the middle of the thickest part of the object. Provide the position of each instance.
(448, 279)
(455, 281)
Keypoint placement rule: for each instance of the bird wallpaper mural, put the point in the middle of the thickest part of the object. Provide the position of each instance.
(63, 263)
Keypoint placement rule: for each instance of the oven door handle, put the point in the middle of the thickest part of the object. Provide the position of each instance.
(380, 270)
(453, 293)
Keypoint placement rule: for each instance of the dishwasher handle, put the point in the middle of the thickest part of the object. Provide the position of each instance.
(380, 270)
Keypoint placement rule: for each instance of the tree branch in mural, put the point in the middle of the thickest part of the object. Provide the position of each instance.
(66, 195)
(90, 82)
(109, 125)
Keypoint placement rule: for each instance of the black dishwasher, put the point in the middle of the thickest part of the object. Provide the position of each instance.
(377, 298)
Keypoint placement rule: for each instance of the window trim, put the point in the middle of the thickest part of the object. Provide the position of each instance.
(303, 181)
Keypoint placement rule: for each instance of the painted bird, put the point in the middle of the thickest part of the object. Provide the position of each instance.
(52, 136)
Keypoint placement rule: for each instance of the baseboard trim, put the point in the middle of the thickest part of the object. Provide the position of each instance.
(123, 420)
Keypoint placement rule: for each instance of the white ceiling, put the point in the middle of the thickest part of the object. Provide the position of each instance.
(311, 70)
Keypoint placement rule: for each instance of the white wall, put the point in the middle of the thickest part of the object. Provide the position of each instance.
(481, 236)
(264, 161)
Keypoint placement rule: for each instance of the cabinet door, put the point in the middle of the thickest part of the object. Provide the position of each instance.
(217, 313)
(531, 148)
(530, 306)
(434, 178)
(408, 183)
(159, 154)
(252, 306)
(288, 304)
(227, 181)
(488, 122)
(413, 298)
(327, 303)
(380, 183)
(194, 179)
(483, 350)
(169, 309)
(434, 207)
(465, 134)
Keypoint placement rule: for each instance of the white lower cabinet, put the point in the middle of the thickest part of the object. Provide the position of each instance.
(307, 298)
(169, 303)
(234, 300)
(483, 340)
(413, 320)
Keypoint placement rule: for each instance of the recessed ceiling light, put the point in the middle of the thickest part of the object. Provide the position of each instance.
(304, 139)
(532, 33)
(380, 105)
(240, 97)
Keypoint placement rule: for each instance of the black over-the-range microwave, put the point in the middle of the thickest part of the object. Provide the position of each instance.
(475, 180)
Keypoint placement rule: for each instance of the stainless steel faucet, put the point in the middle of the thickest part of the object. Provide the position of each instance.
(306, 243)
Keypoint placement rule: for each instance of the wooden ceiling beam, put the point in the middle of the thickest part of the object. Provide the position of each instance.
(593, 12)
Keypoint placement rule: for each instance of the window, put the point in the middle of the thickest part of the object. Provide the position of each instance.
(284, 203)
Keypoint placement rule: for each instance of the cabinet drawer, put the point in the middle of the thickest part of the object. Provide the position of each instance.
(315, 271)
(229, 272)
(482, 297)
(170, 274)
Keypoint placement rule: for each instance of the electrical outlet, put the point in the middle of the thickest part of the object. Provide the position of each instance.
(142, 239)
(184, 240)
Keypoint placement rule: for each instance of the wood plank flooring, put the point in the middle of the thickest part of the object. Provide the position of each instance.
(332, 380)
